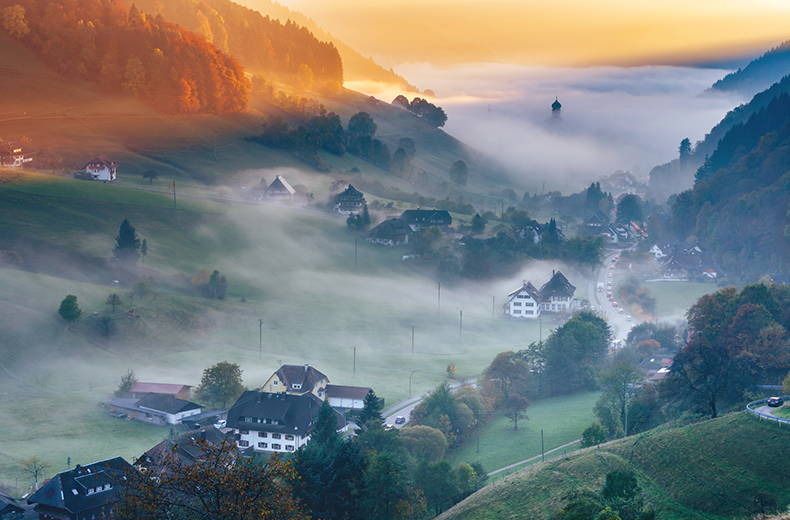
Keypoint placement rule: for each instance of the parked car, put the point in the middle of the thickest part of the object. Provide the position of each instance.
(400, 420)
(220, 423)
(388, 427)
(628, 318)
(775, 401)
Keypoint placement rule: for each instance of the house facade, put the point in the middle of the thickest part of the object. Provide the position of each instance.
(155, 408)
(297, 380)
(280, 191)
(350, 201)
(14, 154)
(422, 219)
(556, 295)
(268, 422)
(392, 232)
(524, 302)
(82, 493)
(346, 397)
(101, 168)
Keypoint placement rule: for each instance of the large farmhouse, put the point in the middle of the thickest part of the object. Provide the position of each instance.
(101, 168)
(296, 380)
(14, 154)
(350, 201)
(556, 295)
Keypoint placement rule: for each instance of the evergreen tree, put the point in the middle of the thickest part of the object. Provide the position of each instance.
(144, 249)
(69, 310)
(325, 429)
(127, 245)
(371, 410)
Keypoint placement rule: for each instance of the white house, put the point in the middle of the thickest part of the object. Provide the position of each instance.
(556, 295)
(102, 168)
(155, 408)
(524, 302)
(346, 397)
(275, 423)
(280, 191)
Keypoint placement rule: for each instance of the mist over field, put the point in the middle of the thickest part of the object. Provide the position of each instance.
(613, 118)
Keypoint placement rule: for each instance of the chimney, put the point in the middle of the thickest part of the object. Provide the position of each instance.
(203, 434)
(305, 367)
(552, 272)
(77, 469)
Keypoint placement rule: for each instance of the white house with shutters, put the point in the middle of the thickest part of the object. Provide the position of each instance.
(524, 302)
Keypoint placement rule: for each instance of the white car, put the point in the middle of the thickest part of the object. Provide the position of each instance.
(220, 424)
(628, 318)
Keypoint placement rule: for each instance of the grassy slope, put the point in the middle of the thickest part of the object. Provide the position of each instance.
(706, 470)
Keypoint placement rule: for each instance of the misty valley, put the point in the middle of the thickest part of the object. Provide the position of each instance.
(247, 271)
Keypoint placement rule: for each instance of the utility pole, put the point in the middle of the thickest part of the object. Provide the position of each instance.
(439, 306)
(174, 194)
(412, 341)
(355, 254)
(260, 338)
(493, 308)
(461, 324)
(542, 449)
(478, 432)
(355, 362)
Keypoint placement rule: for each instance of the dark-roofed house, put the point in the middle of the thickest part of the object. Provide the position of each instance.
(279, 190)
(524, 302)
(594, 225)
(155, 408)
(556, 295)
(296, 379)
(420, 219)
(187, 447)
(270, 422)
(85, 492)
(9, 507)
(101, 168)
(14, 154)
(350, 201)
(138, 390)
(391, 232)
(346, 397)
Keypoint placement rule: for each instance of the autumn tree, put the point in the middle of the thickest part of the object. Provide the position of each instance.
(618, 383)
(113, 301)
(424, 442)
(34, 467)
(221, 383)
(505, 385)
(304, 77)
(69, 309)
(14, 21)
(222, 485)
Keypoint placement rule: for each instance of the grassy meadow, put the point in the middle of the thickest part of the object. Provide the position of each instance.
(709, 470)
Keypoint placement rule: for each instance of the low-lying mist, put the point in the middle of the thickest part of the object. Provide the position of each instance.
(613, 118)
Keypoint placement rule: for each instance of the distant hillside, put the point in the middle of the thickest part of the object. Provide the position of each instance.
(673, 177)
(711, 469)
(355, 66)
(175, 70)
(759, 74)
(260, 43)
(738, 205)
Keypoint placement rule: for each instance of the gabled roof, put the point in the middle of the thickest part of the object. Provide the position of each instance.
(280, 184)
(102, 160)
(68, 489)
(393, 227)
(421, 216)
(157, 388)
(278, 413)
(187, 446)
(304, 375)
(8, 504)
(557, 286)
(529, 289)
(597, 218)
(351, 193)
(349, 392)
(672, 264)
(166, 403)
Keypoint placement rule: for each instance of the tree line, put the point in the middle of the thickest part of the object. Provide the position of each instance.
(175, 70)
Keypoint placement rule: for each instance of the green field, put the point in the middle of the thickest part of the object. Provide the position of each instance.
(562, 420)
(709, 470)
(673, 299)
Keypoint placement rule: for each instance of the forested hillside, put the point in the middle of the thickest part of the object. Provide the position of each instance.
(261, 44)
(740, 199)
(104, 42)
(759, 74)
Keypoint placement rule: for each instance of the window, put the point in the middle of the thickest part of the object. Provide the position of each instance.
(527, 312)
(276, 447)
(517, 312)
(517, 304)
(530, 304)
(262, 444)
(276, 436)
(276, 382)
(244, 432)
(289, 448)
(244, 444)
(248, 419)
(297, 386)
(289, 437)
(263, 434)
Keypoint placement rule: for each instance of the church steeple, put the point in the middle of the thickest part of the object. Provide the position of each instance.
(556, 109)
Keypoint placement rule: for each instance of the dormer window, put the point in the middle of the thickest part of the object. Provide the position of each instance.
(297, 386)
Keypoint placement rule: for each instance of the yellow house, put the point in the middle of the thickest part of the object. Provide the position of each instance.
(297, 380)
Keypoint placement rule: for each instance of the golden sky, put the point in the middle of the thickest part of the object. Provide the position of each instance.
(552, 32)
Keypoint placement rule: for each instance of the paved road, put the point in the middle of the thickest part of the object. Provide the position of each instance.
(404, 408)
(618, 322)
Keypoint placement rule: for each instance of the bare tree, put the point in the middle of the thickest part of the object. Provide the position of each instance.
(34, 467)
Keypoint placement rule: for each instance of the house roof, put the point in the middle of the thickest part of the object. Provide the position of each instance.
(351, 193)
(280, 184)
(557, 286)
(157, 388)
(393, 227)
(597, 218)
(529, 288)
(422, 216)
(8, 147)
(350, 392)
(304, 375)
(8, 504)
(166, 403)
(68, 489)
(278, 413)
(187, 447)
(102, 160)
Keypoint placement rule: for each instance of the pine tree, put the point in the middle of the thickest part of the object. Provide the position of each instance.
(69, 310)
(371, 410)
(127, 245)
(325, 430)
